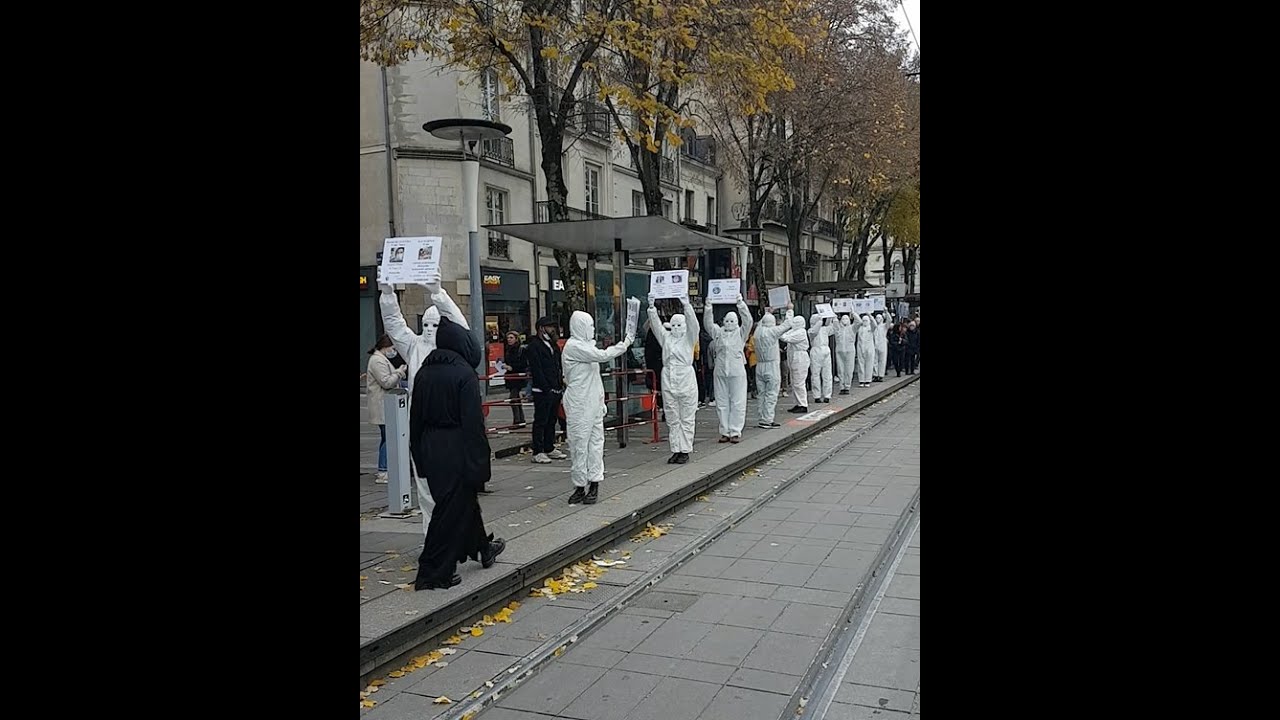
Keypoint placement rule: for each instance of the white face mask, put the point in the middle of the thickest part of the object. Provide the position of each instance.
(390, 353)
(845, 320)
(731, 322)
(677, 325)
(430, 324)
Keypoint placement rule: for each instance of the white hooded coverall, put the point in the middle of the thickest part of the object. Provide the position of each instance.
(415, 348)
(584, 407)
(679, 384)
(730, 372)
(768, 372)
(866, 350)
(797, 341)
(846, 352)
(880, 330)
(820, 362)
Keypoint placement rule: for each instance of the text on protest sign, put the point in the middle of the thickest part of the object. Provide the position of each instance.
(724, 292)
(669, 284)
(411, 260)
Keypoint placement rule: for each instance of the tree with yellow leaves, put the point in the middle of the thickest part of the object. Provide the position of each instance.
(541, 48)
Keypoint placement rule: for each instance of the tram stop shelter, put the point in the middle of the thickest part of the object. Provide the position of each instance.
(621, 240)
(830, 289)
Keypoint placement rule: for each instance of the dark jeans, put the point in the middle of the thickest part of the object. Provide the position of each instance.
(751, 378)
(517, 410)
(912, 359)
(545, 407)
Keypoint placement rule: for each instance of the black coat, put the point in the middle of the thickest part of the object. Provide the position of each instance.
(913, 341)
(652, 360)
(450, 450)
(544, 365)
(517, 364)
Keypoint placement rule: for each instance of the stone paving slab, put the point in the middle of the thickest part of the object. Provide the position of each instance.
(538, 524)
(736, 629)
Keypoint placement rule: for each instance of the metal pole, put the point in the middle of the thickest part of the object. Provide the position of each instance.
(619, 326)
(471, 207)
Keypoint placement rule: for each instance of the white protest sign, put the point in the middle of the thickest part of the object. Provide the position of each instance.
(669, 284)
(861, 306)
(779, 297)
(877, 303)
(842, 305)
(724, 292)
(633, 316)
(412, 260)
(824, 310)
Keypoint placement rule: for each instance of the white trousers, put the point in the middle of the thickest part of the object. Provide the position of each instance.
(586, 445)
(731, 403)
(799, 361)
(882, 358)
(820, 373)
(681, 410)
(866, 363)
(767, 382)
(846, 363)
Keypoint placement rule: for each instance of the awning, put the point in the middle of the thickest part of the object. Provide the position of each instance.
(644, 236)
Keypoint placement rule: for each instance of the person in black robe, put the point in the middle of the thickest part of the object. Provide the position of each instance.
(913, 348)
(449, 446)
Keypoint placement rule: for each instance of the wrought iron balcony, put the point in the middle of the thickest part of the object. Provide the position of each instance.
(544, 213)
(501, 151)
(666, 169)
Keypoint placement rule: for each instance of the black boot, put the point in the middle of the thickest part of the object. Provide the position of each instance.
(577, 497)
(673, 459)
(438, 584)
(682, 458)
(491, 553)
(593, 493)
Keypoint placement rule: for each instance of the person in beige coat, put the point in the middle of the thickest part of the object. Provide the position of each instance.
(379, 378)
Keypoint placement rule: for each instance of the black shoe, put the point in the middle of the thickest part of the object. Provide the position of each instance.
(593, 494)
(684, 458)
(578, 496)
(844, 391)
(878, 380)
(490, 554)
(775, 425)
(438, 584)
(484, 490)
(672, 460)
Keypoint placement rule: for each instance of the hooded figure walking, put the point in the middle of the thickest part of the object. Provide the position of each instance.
(449, 446)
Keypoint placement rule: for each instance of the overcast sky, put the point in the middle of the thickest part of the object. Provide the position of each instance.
(913, 11)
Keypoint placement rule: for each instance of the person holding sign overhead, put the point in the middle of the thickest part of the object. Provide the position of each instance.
(679, 383)
(846, 353)
(730, 369)
(797, 340)
(768, 368)
(866, 351)
(415, 348)
(880, 331)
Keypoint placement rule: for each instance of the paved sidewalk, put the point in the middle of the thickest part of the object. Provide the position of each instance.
(528, 508)
(729, 635)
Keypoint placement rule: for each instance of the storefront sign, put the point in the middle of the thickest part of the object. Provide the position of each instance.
(505, 284)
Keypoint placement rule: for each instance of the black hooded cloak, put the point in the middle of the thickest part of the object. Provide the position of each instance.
(450, 449)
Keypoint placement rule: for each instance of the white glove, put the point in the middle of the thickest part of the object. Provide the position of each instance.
(432, 286)
(386, 289)
(651, 301)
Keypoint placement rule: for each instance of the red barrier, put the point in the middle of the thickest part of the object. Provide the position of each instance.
(648, 401)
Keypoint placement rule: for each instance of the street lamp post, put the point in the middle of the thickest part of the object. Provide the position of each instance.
(471, 131)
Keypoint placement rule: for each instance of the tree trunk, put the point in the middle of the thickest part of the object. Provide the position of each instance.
(571, 271)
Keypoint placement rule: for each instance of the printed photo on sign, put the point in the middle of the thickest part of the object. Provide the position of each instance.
(725, 291)
(824, 310)
(669, 284)
(842, 305)
(411, 260)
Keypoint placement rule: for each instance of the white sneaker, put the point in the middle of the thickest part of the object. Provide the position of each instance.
(541, 459)
(380, 478)
(711, 404)
(557, 455)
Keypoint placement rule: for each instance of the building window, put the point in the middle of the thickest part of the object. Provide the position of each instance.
(666, 208)
(711, 211)
(489, 95)
(688, 206)
(593, 189)
(637, 204)
(495, 201)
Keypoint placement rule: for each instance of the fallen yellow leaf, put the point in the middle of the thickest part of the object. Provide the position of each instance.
(589, 586)
(442, 700)
(396, 674)
(476, 632)
(513, 606)
(559, 651)
(476, 694)
(368, 703)
(455, 640)
(404, 586)
(468, 716)
(363, 578)
(377, 683)
(407, 568)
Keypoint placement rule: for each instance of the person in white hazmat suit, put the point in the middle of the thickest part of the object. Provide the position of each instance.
(797, 340)
(584, 407)
(415, 348)
(866, 351)
(728, 342)
(846, 353)
(768, 370)
(880, 330)
(679, 384)
(820, 363)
